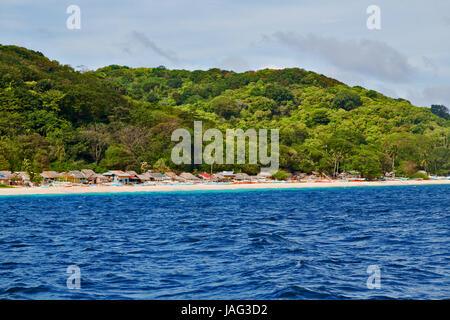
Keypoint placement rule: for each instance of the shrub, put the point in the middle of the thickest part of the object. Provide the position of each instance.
(281, 175)
(347, 100)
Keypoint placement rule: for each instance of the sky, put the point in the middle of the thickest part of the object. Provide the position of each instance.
(409, 57)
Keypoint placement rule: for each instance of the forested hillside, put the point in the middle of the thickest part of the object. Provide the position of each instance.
(53, 117)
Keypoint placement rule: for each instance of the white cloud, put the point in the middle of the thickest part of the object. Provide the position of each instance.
(370, 58)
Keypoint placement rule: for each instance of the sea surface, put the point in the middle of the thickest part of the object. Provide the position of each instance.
(271, 244)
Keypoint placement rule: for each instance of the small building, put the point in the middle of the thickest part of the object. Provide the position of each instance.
(189, 176)
(218, 177)
(144, 177)
(74, 176)
(88, 173)
(241, 177)
(204, 176)
(174, 177)
(97, 179)
(133, 176)
(21, 178)
(117, 176)
(350, 175)
(156, 176)
(50, 176)
(5, 177)
(229, 174)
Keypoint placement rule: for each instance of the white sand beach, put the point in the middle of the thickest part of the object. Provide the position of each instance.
(204, 187)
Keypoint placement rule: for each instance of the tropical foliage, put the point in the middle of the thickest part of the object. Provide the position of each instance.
(53, 117)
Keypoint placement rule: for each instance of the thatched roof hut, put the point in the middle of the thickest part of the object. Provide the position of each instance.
(241, 176)
(173, 176)
(144, 177)
(87, 173)
(73, 176)
(189, 176)
(77, 174)
(205, 176)
(21, 176)
(97, 179)
(219, 177)
(5, 177)
(50, 175)
(155, 176)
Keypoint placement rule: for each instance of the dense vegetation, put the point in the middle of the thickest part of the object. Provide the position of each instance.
(53, 117)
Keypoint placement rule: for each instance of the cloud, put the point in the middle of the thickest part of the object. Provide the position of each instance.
(367, 57)
(429, 64)
(146, 42)
(438, 94)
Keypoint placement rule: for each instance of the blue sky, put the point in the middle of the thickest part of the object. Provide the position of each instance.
(409, 57)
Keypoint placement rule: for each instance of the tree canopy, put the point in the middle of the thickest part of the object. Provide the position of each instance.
(116, 117)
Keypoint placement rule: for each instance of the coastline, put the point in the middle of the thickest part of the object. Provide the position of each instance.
(61, 190)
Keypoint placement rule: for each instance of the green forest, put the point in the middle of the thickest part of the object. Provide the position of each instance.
(53, 117)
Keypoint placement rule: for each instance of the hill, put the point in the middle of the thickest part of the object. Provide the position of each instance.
(118, 118)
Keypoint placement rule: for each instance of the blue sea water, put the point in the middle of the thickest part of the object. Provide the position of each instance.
(271, 244)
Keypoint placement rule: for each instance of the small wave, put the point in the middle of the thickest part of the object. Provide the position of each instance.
(296, 292)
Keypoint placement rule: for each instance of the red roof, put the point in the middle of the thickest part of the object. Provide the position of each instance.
(205, 175)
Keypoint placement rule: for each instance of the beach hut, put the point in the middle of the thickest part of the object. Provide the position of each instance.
(21, 178)
(74, 176)
(50, 176)
(87, 173)
(218, 177)
(228, 174)
(204, 176)
(97, 179)
(189, 176)
(241, 177)
(5, 177)
(156, 176)
(144, 177)
(133, 176)
(117, 176)
(174, 177)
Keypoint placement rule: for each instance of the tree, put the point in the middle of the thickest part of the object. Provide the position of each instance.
(35, 177)
(347, 100)
(144, 166)
(319, 116)
(367, 161)
(278, 93)
(160, 166)
(225, 107)
(98, 138)
(440, 111)
(281, 175)
(117, 157)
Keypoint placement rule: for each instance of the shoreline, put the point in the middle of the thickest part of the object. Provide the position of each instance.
(61, 190)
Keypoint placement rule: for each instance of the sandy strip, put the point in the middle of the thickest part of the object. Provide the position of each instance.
(200, 187)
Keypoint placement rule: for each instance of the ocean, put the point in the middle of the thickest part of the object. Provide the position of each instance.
(324, 243)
